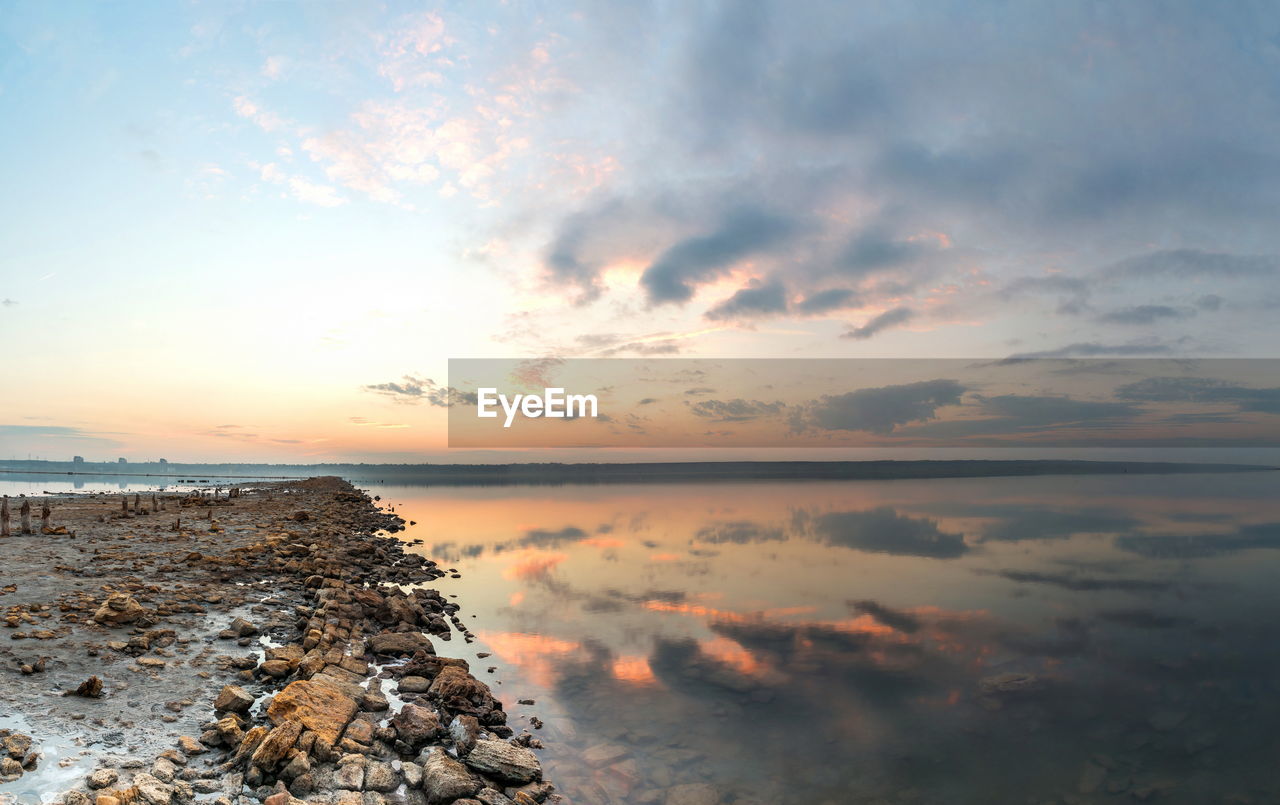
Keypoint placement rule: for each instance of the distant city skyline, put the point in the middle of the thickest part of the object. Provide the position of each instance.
(258, 232)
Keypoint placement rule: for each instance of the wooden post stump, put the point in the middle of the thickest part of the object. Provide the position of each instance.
(45, 514)
(25, 511)
(4, 517)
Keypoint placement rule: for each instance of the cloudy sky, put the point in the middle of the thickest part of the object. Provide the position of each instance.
(260, 230)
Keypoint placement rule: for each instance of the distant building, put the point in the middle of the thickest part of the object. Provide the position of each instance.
(164, 461)
(122, 461)
(78, 460)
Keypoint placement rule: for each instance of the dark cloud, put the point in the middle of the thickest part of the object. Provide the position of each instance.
(410, 389)
(885, 321)
(1076, 583)
(880, 410)
(1194, 264)
(59, 432)
(741, 532)
(756, 300)
(737, 410)
(883, 530)
(7, 303)
(874, 250)
(1113, 140)
(1144, 314)
(826, 301)
(741, 233)
(1258, 536)
(902, 621)
(1204, 390)
(1092, 349)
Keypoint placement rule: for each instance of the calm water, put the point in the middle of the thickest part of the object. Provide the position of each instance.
(976, 640)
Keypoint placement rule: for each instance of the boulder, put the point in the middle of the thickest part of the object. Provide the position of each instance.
(445, 779)
(120, 609)
(457, 688)
(319, 706)
(465, 731)
(414, 684)
(400, 644)
(274, 747)
(233, 699)
(416, 725)
(504, 761)
(151, 791)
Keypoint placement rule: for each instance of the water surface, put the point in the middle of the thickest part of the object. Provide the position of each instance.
(1064, 639)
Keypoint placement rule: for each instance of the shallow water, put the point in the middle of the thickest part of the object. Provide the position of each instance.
(1061, 639)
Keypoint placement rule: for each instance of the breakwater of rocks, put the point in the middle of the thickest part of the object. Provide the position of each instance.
(256, 645)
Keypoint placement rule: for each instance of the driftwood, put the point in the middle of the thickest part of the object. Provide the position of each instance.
(25, 511)
(4, 517)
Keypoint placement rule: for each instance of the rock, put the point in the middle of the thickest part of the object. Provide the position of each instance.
(319, 706)
(150, 662)
(350, 775)
(76, 798)
(10, 769)
(152, 791)
(120, 609)
(190, 746)
(16, 745)
(412, 775)
(298, 766)
(273, 748)
(102, 778)
(416, 725)
(380, 776)
(373, 701)
(455, 687)
(400, 644)
(692, 794)
(164, 770)
(233, 699)
(91, 688)
(243, 627)
(602, 755)
(506, 762)
(464, 730)
(414, 684)
(445, 779)
(276, 669)
(106, 799)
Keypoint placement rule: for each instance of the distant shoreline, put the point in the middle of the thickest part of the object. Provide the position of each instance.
(657, 472)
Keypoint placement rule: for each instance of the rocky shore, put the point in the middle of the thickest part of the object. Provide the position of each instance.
(258, 645)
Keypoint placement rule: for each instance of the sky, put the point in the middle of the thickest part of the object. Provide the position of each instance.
(240, 231)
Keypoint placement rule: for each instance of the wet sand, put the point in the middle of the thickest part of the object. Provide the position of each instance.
(266, 645)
